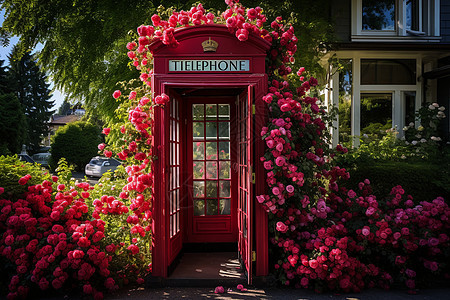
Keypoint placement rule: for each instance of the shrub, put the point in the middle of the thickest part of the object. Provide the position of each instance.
(49, 239)
(426, 179)
(77, 142)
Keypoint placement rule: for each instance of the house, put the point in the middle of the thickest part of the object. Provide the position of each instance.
(390, 58)
(59, 121)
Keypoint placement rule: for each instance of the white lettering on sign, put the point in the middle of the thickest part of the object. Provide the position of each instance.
(209, 65)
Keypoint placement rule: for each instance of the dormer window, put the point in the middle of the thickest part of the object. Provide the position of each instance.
(402, 19)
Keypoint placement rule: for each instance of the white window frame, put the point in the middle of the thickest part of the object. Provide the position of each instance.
(428, 27)
(398, 103)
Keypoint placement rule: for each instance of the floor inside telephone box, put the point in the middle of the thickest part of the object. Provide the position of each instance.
(202, 264)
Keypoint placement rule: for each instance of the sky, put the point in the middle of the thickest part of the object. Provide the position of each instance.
(57, 96)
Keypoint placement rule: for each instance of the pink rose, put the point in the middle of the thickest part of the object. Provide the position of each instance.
(276, 191)
(281, 227)
(365, 231)
(280, 161)
(117, 94)
(106, 131)
(290, 189)
(268, 165)
(219, 290)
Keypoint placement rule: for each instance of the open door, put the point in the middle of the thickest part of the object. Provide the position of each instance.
(174, 162)
(245, 197)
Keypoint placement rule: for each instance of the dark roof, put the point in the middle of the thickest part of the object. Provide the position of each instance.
(63, 120)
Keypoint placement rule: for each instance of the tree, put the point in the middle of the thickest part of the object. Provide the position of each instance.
(64, 108)
(77, 142)
(12, 118)
(84, 40)
(32, 90)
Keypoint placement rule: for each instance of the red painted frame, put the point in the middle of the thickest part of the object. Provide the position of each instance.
(190, 39)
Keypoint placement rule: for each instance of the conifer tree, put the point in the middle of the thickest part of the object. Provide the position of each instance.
(31, 88)
(12, 119)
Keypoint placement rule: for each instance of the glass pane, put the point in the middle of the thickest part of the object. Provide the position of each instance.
(199, 208)
(378, 15)
(376, 115)
(211, 150)
(410, 103)
(225, 208)
(388, 71)
(224, 150)
(198, 170)
(211, 207)
(211, 111)
(199, 189)
(224, 111)
(412, 15)
(198, 111)
(211, 170)
(224, 130)
(224, 170)
(225, 188)
(211, 130)
(198, 150)
(198, 130)
(345, 100)
(211, 189)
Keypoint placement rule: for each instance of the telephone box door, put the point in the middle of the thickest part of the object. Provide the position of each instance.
(245, 179)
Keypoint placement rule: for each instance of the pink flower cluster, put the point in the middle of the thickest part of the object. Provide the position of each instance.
(364, 242)
(49, 239)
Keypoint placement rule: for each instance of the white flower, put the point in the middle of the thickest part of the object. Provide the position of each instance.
(403, 156)
(435, 138)
(441, 115)
(435, 104)
(406, 143)
(423, 140)
(411, 124)
(403, 138)
(418, 136)
(414, 143)
(405, 128)
(431, 107)
(365, 135)
(441, 108)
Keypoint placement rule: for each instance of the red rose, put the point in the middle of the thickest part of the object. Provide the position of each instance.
(117, 94)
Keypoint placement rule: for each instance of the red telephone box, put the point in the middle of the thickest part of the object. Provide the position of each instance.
(208, 145)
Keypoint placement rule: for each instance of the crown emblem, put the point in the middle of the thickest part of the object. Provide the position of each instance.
(210, 45)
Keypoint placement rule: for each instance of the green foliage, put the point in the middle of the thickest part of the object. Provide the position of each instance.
(64, 171)
(77, 142)
(30, 86)
(424, 180)
(12, 169)
(12, 124)
(84, 41)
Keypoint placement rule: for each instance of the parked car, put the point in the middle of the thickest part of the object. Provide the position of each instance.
(100, 165)
(42, 158)
(26, 158)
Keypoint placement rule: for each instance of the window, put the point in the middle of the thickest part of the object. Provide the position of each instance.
(376, 114)
(345, 101)
(388, 71)
(374, 95)
(411, 19)
(378, 15)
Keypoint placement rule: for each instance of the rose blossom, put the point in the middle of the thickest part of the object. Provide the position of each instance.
(290, 189)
